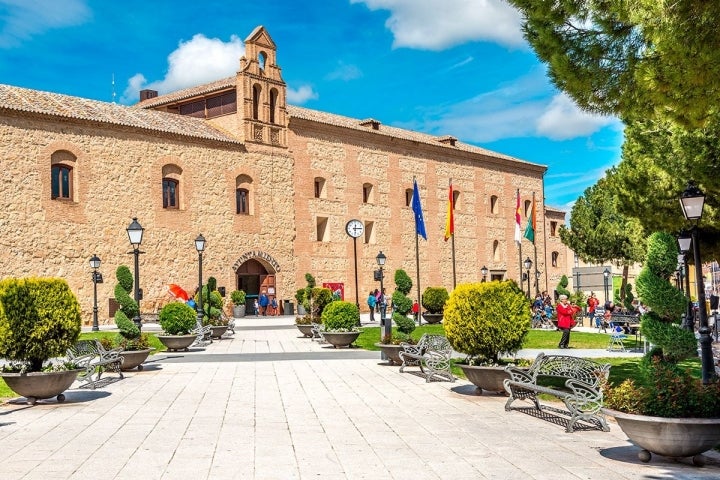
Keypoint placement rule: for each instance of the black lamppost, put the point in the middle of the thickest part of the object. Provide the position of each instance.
(528, 265)
(606, 283)
(200, 247)
(97, 278)
(684, 242)
(484, 272)
(135, 234)
(387, 326)
(692, 201)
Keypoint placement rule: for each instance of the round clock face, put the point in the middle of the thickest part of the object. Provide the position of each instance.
(354, 228)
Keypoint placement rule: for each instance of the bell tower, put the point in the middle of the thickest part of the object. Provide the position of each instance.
(262, 92)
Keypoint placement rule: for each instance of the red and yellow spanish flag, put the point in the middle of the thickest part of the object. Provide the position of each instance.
(449, 219)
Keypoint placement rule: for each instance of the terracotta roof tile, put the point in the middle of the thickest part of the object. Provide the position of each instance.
(191, 92)
(54, 104)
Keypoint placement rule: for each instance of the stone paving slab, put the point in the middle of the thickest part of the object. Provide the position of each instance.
(295, 409)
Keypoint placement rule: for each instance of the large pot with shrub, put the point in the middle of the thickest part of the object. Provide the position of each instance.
(391, 345)
(135, 345)
(238, 300)
(483, 321)
(668, 411)
(177, 321)
(433, 301)
(339, 320)
(39, 320)
(212, 304)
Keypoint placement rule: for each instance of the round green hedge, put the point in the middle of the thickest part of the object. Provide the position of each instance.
(487, 319)
(434, 299)
(177, 318)
(340, 316)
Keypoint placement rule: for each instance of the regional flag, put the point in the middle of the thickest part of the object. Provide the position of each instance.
(518, 239)
(417, 210)
(530, 228)
(450, 219)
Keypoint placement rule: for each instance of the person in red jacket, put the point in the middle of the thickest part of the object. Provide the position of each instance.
(565, 313)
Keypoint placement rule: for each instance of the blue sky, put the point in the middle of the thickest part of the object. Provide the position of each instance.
(443, 67)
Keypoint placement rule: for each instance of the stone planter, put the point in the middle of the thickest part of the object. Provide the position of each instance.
(38, 385)
(392, 352)
(305, 329)
(134, 358)
(301, 310)
(432, 317)
(238, 311)
(340, 339)
(217, 331)
(670, 437)
(486, 378)
(176, 343)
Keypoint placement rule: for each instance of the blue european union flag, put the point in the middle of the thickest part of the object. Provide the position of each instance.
(417, 210)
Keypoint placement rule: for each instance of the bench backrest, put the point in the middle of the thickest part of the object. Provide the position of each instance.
(565, 366)
(435, 343)
(85, 347)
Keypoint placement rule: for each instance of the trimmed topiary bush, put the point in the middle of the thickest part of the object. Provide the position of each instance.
(177, 318)
(404, 324)
(434, 298)
(561, 288)
(39, 320)
(403, 281)
(237, 297)
(129, 332)
(340, 316)
(321, 297)
(483, 320)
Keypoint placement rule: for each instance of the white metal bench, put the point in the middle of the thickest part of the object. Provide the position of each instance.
(92, 356)
(432, 354)
(582, 392)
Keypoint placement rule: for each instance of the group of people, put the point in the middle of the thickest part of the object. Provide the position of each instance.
(377, 303)
(265, 305)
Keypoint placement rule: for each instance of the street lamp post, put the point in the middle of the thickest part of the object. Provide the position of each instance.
(692, 201)
(135, 234)
(97, 278)
(387, 325)
(484, 272)
(606, 283)
(200, 247)
(684, 242)
(528, 265)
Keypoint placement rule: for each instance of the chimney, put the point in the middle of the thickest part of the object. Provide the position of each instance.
(371, 122)
(447, 140)
(147, 94)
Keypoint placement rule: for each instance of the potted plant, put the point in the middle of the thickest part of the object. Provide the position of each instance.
(177, 321)
(483, 320)
(669, 411)
(433, 301)
(300, 299)
(390, 345)
(135, 346)
(238, 300)
(212, 304)
(39, 320)
(339, 319)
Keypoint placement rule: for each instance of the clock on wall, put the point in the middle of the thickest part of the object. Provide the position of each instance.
(354, 228)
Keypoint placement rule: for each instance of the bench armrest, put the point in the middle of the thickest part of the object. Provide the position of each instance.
(414, 349)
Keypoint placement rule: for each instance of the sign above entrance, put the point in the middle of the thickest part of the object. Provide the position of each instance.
(257, 255)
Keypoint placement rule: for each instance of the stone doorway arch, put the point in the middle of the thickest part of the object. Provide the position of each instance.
(255, 274)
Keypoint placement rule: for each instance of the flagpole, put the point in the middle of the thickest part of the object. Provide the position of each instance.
(537, 277)
(518, 238)
(417, 270)
(452, 206)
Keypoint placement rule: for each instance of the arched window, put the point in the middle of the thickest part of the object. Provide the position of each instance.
(554, 258)
(494, 204)
(496, 251)
(367, 193)
(273, 104)
(262, 58)
(170, 193)
(256, 102)
(243, 195)
(408, 196)
(62, 172)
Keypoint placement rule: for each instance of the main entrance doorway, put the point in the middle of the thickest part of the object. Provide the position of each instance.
(254, 278)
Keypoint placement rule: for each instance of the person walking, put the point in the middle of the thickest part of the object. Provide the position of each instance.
(565, 313)
(371, 302)
(264, 301)
(592, 304)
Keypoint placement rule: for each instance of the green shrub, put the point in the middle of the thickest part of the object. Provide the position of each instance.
(238, 297)
(177, 318)
(487, 319)
(39, 319)
(212, 304)
(403, 281)
(404, 324)
(561, 288)
(321, 297)
(340, 316)
(434, 298)
(400, 303)
(128, 306)
(300, 296)
(310, 284)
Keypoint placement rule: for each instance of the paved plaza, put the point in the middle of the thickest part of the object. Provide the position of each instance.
(268, 404)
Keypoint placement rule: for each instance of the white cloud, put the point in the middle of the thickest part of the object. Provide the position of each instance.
(301, 95)
(563, 119)
(440, 24)
(344, 72)
(22, 19)
(197, 61)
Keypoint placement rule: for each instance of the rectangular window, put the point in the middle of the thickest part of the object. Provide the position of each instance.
(242, 206)
(170, 193)
(61, 182)
(321, 226)
(369, 232)
(553, 229)
(193, 109)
